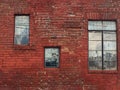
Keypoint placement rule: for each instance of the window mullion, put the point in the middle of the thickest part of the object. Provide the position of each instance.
(102, 51)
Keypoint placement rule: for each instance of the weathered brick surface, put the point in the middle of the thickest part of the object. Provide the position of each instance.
(54, 23)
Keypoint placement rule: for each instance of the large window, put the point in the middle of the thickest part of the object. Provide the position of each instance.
(102, 45)
(21, 36)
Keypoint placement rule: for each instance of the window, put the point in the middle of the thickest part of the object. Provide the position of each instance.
(102, 45)
(52, 57)
(21, 36)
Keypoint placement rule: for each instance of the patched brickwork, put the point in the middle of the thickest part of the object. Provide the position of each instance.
(54, 23)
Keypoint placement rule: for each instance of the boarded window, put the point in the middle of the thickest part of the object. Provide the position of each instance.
(102, 45)
(21, 30)
(52, 57)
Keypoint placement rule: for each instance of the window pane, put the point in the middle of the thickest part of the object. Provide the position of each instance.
(95, 45)
(109, 55)
(21, 30)
(20, 39)
(110, 61)
(94, 25)
(21, 20)
(95, 60)
(95, 35)
(109, 25)
(51, 57)
(109, 45)
(109, 35)
(101, 25)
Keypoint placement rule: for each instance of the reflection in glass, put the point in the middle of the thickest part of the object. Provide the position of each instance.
(51, 57)
(95, 60)
(21, 20)
(109, 45)
(21, 30)
(109, 55)
(95, 25)
(110, 60)
(101, 25)
(95, 45)
(95, 35)
(109, 25)
(109, 35)
(20, 39)
(95, 53)
(102, 45)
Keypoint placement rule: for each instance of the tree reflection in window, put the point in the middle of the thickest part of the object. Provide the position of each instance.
(102, 45)
(51, 57)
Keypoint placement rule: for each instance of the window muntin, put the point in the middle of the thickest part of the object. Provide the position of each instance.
(21, 36)
(52, 57)
(102, 45)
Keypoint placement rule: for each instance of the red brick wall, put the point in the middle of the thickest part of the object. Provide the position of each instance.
(22, 67)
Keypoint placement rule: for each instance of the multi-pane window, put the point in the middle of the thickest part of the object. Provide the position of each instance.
(102, 45)
(52, 57)
(21, 36)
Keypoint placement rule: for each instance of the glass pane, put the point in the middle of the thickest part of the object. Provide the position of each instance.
(110, 60)
(19, 39)
(109, 25)
(95, 45)
(109, 45)
(109, 35)
(95, 54)
(94, 25)
(21, 20)
(95, 60)
(95, 35)
(109, 55)
(51, 57)
(110, 65)
(22, 30)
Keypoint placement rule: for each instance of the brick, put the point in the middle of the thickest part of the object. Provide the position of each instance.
(60, 23)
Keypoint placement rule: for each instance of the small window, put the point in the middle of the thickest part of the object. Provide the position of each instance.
(21, 36)
(52, 57)
(102, 45)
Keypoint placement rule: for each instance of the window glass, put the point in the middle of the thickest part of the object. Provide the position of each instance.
(109, 25)
(102, 45)
(95, 25)
(95, 60)
(95, 35)
(109, 45)
(21, 30)
(110, 61)
(109, 35)
(95, 45)
(51, 57)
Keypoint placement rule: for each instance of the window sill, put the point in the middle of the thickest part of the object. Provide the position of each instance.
(103, 71)
(24, 47)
